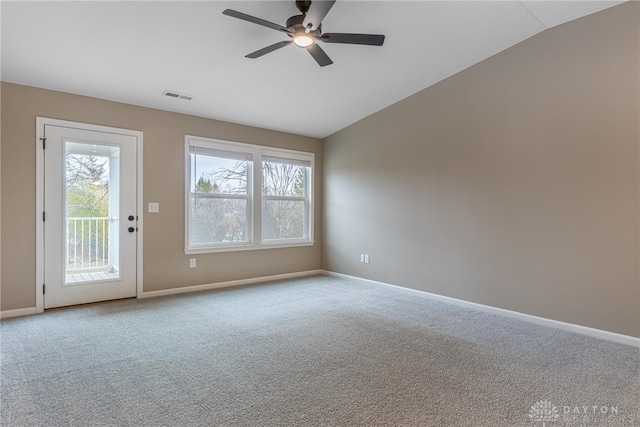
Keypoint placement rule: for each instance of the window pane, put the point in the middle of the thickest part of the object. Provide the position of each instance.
(218, 220)
(282, 179)
(283, 219)
(218, 175)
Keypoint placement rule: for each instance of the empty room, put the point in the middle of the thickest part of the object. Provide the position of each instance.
(320, 213)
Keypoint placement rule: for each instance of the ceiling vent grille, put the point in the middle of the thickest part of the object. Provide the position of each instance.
(174, 94)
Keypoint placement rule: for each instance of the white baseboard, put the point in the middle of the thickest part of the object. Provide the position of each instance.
(228, 284)
(584, 330)
(19, 312)
(579, 329)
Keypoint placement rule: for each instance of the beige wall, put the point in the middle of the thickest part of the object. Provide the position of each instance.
(514, 183)
(165, 264)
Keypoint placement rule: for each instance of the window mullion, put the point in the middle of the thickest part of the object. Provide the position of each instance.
(220, 196)
(257, 197)
(308, 206)
(290, 198)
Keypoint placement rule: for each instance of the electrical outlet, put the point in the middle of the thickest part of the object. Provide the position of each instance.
(361, 257)
(192, 263)
(366, 258)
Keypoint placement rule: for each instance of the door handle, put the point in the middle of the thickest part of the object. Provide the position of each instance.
(131, 229)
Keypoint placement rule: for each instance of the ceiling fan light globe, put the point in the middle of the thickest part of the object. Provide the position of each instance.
(303, 40)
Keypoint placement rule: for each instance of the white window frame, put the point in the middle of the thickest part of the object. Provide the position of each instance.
(255, 205)
(295, 157)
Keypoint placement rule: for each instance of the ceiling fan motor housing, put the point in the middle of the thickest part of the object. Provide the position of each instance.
(295, 24)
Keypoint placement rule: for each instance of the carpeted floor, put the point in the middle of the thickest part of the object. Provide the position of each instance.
(317, 351)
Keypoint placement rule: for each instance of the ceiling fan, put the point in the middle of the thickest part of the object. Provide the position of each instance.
(306, 29)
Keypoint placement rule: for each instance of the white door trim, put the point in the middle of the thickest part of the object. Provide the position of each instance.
(40, 122)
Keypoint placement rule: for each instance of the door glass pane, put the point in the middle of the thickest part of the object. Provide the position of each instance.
(91, 215)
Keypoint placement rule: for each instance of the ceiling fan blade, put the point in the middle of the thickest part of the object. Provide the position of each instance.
(316, 13)
(319, 55)
(366, 39)
(268, 49)
(253, 19)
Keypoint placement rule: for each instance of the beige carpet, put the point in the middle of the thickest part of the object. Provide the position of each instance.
(317, 351)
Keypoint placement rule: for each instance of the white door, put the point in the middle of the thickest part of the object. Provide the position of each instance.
(90, 215)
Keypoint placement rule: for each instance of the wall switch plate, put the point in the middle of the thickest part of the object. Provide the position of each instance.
(361, 257)
(366, 258)
(154, 207)
(192, 263)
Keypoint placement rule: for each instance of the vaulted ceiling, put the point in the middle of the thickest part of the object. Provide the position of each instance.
(133, 51)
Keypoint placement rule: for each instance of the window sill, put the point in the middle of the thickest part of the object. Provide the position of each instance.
(247, 247)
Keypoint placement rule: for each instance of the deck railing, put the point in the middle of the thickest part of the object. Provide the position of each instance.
(87, 245)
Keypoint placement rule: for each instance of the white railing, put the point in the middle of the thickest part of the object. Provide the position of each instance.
(87, 245)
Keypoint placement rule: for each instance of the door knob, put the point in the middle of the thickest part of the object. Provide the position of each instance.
(131, 217)
(131, 229)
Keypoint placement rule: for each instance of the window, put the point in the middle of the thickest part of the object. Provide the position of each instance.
(219, 196)
(241, 196)
(285, 204)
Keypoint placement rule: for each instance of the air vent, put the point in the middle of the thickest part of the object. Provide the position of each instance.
(174, 94)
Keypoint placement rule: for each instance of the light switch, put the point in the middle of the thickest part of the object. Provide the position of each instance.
(154, 207)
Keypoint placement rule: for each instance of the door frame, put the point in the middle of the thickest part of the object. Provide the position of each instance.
(40, 174)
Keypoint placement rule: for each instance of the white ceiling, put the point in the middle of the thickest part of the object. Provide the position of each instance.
(133, 51)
